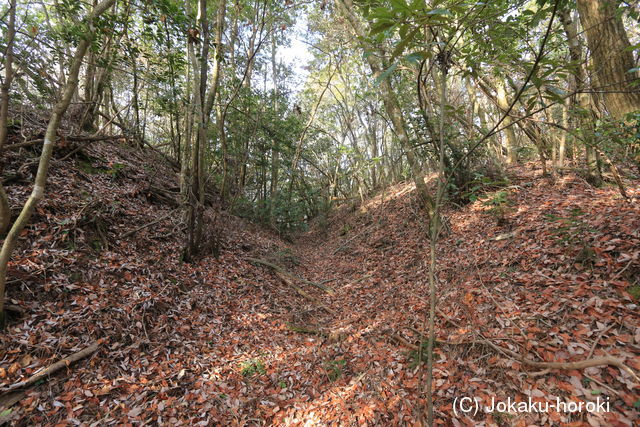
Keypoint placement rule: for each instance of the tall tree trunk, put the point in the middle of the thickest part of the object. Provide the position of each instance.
(224, 147)
(199, 65)
(251, 50)
(576, 85)
(233, 38)
(510, 140)
(391, 104)
(47, 149)
(89, 77)
(217, 72)
(275, 149)
(136, 102)
(185, 154)
(218, 58)
(611, 54)
(562, 145)
(8, 73)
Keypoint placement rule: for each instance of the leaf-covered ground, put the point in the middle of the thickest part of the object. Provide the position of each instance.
(547, 268)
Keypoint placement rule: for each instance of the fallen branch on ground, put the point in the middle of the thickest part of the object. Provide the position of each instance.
(349, 240)
(129, 233)
(54, 368)
(356, 281)
(291, 276)
(163, 195)
(582, 364)
(286, 279)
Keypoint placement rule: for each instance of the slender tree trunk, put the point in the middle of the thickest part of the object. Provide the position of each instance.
(185, 155)
(8, 73)
(510, 140)
(5, 209)
(224, 146)
(275, 149)
(251, 51)
(530, 129)
(562, 144)
(47, 148)
(95, 83)
(87, 97)
(136, 101)
(303, 134)
(174, 114)
(580, 101)
(196, 196)
(434, 229)
(234, 37)
(240, 176)
(218, 58)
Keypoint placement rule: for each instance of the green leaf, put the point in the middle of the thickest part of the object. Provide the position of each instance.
(381, 13)
(632, 47)
(380, 27)
(399, 4)
(417, 57)
(386, 73)
(402, 32)
(404, 42)
(537, 82)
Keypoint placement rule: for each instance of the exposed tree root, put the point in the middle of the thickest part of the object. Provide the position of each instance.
(284, 272)
(303, 329)
(332, 336)
(54, 368)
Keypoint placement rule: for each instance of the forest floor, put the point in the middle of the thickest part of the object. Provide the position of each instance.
(546, 267)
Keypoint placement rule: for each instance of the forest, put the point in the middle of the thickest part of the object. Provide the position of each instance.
(320, 212)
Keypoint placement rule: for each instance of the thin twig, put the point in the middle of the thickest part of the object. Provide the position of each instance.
(582, 364)
(595, 343)
(129, 233)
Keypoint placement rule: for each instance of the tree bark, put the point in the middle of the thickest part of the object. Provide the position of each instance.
(577, 85)
(510, 140)
(275, 149)
(8, 73)
(5, 209)
(612, 60)
(195, 199)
